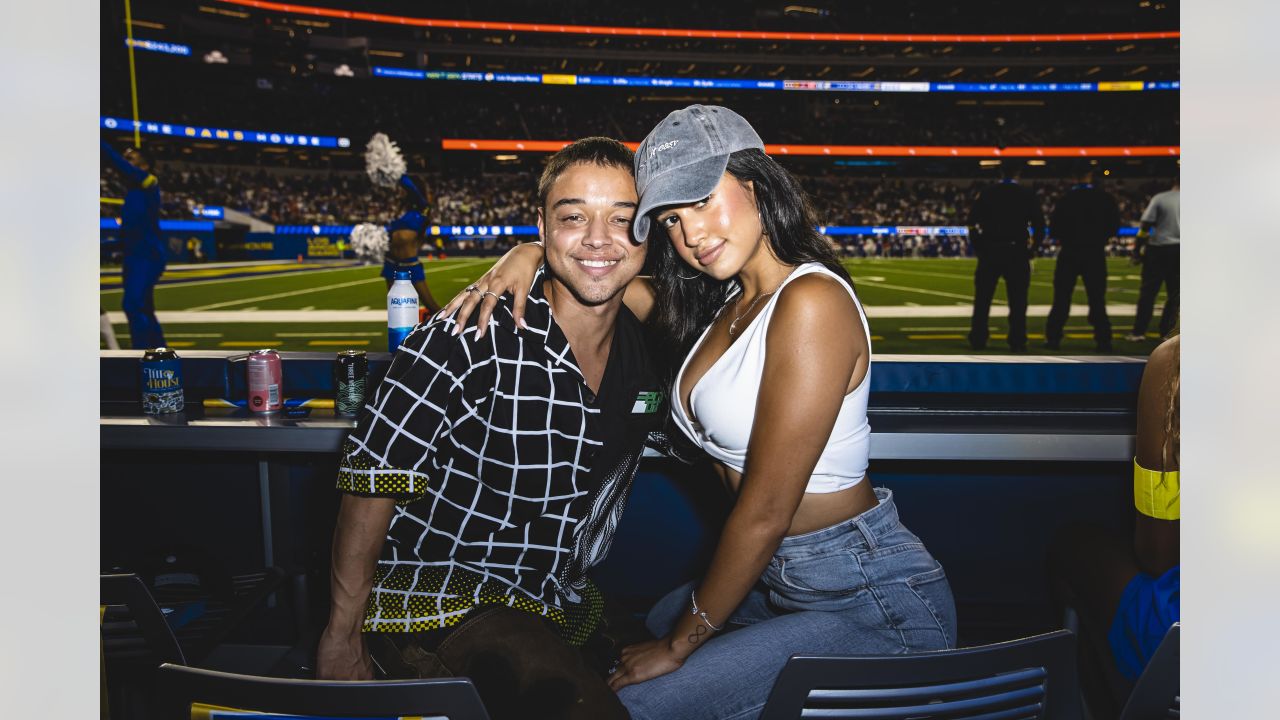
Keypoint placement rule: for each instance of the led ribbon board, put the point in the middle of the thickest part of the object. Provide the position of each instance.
(195, 132)
(871, 86)
(936, 151)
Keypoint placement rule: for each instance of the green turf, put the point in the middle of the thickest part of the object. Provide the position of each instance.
(892, 283)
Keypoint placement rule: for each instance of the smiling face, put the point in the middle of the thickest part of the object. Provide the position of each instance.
(586, 226)
(719, 235)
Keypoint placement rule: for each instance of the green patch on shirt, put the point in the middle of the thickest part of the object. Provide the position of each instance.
(647, 403)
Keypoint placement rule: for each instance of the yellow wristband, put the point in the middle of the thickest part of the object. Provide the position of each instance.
(1155, 493)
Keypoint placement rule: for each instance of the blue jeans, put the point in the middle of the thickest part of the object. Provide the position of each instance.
(865, 586)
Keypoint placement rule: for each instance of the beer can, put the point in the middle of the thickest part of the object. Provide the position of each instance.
(350, 377)
(161, 382)
(266, 381)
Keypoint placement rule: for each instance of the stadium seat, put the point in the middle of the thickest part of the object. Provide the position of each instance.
(133, 627)
(182, 687)
(1029, 679)
(136, 639)
(1156, 696)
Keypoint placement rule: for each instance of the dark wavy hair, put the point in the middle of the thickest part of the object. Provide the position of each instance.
(684, 308)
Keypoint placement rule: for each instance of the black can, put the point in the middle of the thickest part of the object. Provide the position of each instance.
(161, 382)
(350, 378)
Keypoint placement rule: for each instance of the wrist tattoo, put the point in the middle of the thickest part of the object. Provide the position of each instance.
(696, 635)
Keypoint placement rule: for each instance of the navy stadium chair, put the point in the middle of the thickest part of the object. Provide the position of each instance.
(180, 687)
(1029, 679)
(1156, 696)
(133, 627)
(135, 640)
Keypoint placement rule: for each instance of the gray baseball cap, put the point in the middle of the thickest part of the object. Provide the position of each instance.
(684, 157)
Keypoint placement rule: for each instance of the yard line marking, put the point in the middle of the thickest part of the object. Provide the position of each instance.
(323, 288)
(277, 296)
(267, 276)
(954, 276)
(177, 335)
(935, 337)
(911, 304)
(181, 343)
(327, 334)
(1037, 283)
(264, 276)
(937, 293)
(246, 343)
(286, 317)
(309, 307)
(335, 343)
(362, 308)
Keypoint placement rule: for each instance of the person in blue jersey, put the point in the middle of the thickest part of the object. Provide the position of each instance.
(144, 251)
(405, 235)
(1127, 590)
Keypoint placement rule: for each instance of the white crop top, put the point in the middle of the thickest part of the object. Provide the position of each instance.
(724, 403)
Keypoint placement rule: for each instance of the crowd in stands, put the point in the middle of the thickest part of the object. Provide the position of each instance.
(417, 114)
(327, 198)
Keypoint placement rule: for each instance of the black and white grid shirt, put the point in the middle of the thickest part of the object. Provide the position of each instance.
(510, 475)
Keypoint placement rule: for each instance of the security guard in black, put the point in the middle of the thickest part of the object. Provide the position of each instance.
(998, 225)
(1083, 221)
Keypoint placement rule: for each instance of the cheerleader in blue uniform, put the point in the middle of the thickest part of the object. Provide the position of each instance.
(144, 251)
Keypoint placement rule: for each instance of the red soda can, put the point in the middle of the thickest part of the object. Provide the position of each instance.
(266, 381)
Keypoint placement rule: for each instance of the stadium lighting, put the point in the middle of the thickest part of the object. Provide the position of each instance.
(805, 10)
(864, 151)
(360, 16)
(344, 70)
(1036, 162)
(216, 58)
(988, 163)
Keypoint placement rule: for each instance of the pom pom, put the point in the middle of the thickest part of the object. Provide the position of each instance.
(369, 242)
(383, 161)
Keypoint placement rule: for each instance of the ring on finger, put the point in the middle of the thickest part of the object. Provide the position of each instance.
(490, 292)
(471, 288)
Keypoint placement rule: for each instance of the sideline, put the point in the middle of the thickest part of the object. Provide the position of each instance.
(362, 316)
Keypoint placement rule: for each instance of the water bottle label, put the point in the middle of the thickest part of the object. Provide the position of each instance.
(402, 311)
(396, 336)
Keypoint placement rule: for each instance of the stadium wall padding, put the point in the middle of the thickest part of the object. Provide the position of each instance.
(180, 245)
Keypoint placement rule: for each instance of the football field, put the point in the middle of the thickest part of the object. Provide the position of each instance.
(914, 305)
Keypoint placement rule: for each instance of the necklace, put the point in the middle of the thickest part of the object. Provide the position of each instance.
(733, 326)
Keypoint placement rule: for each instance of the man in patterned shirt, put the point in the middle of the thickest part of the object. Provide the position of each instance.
(487, 475)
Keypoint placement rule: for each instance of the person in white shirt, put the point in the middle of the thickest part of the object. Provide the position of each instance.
(1157, 250)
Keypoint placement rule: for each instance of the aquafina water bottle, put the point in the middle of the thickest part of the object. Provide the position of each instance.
(402, 310)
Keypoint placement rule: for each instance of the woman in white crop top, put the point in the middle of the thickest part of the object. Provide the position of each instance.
(773, 386)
